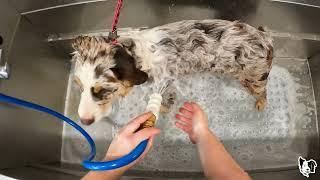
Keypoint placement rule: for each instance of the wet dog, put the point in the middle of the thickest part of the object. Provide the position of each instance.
(106, 71)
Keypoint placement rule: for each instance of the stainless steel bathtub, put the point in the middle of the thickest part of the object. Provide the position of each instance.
(37, 36)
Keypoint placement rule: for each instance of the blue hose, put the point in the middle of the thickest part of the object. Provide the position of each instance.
(87, 163)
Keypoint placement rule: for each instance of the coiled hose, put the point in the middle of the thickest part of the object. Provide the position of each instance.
(87, 163)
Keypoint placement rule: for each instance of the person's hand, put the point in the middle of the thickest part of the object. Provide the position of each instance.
(127, 139)
(192, 120)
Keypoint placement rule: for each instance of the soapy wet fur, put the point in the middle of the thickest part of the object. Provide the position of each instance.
(108, 71)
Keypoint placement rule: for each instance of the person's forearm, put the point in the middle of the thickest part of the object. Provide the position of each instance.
(102, 175)
(216, 161)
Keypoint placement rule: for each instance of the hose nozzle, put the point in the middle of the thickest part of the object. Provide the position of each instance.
(153, 106)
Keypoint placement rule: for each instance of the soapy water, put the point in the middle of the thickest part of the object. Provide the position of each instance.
(231, 112)
(250, 136)
(225, 101)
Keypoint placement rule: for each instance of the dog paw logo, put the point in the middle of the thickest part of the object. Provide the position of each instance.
(307, 167)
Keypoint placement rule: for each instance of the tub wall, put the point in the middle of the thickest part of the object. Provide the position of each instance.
(29, 6)
(39, 74)
(9, 19)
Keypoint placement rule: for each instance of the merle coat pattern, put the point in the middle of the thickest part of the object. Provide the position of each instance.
(106, 71)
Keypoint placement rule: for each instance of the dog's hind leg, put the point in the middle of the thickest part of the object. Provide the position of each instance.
(258, 89)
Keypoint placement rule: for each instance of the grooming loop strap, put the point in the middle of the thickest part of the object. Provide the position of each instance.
(113, 34)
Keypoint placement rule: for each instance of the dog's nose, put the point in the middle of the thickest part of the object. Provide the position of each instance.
(87, 121)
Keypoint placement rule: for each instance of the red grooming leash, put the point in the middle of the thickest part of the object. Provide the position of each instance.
(113, 34)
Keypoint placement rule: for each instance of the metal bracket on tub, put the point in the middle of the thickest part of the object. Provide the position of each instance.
(4, 69)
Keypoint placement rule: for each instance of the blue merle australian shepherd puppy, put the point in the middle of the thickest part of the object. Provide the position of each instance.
(106, 71)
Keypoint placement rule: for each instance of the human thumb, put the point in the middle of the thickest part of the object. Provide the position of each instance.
(145, 133)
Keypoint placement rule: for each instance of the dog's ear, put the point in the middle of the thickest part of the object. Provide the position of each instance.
(300, 161)
(125, 68)
(312, 165)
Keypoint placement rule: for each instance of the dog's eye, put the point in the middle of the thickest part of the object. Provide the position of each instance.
(101, 93)
(102, 103)
(78, 82)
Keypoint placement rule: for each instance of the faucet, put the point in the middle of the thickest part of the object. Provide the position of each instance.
(4, 69)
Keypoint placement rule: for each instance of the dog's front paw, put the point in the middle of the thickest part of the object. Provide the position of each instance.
(261, 104)
(164, 109)
(168, 101)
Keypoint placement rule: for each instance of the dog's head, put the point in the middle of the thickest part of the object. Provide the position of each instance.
(307, 167)
(103, 72)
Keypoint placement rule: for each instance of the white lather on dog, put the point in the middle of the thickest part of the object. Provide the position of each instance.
(105, 71)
